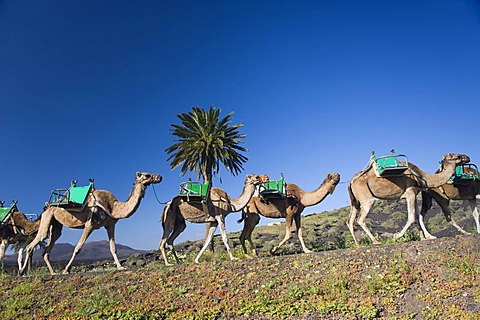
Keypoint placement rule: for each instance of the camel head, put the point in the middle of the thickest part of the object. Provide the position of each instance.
(254, 179)
(147, 179)
(263, 178)
(456, 158)
(334, 179)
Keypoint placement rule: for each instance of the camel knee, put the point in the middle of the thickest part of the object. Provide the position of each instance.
(243, 237)
(350, 225)
(361, 222)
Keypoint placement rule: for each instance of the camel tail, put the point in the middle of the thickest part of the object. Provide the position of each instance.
(242, 218)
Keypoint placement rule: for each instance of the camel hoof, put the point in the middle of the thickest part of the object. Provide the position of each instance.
(121, 268)
(396, 236)
(307, 251)
(273, 250)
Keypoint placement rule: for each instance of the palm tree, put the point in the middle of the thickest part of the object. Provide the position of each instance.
(204, 141)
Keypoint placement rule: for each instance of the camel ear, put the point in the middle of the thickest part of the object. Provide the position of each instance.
(139, 174)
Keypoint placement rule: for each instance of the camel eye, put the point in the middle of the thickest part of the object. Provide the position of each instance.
(148, 176)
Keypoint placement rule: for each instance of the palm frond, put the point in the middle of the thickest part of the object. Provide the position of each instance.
(205, 141)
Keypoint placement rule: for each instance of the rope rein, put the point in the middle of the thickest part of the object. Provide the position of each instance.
(156, 197)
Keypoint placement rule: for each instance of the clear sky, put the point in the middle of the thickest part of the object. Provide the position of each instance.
(89, 89)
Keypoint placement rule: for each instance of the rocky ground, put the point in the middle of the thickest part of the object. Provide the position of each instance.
(435, 279)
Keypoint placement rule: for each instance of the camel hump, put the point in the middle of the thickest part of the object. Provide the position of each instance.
(220, 193)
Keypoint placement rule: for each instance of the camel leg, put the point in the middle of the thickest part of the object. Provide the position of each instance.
(288, 234)
(179, 227)
(43, 231)
(212, 243)
(351, 221)
(250, 221)
(211, 231)
(87, 230)
(476, 216)
(412, 213)
(20, 256)
(223, 232)
(54, 234)
(113, 250)
(169, 237)
(445, 206)
(364, 210)
(168, 225)
(3, 248)
(424, 234)
(298, 223)
(166, 231)
(426, 205)
(473, 206)
(173, 224)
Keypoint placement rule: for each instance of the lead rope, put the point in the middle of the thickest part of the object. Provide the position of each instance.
(156, 197)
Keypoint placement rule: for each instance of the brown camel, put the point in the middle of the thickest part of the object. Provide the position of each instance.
(102, 210)
(366, 186)
(456, 190)
(18, 230)
(289, 207)
(219, 204)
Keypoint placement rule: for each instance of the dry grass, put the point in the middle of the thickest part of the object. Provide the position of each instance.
(436, 279)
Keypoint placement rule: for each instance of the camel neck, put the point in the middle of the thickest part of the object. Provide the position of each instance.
(240, 202)
(125, 209)
(315, 197)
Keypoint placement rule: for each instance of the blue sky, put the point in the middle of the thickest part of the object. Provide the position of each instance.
(89, 89)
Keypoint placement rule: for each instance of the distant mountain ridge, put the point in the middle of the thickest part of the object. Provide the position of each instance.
(91, 251)
(322, 231)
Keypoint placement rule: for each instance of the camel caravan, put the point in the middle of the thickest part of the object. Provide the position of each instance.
(78, 207)
(389, 177)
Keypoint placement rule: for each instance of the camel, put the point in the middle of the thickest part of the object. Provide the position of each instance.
(468, 190)
(366, 186)
(18, 230)
(102, 210)
(217, 206)
(289, 207)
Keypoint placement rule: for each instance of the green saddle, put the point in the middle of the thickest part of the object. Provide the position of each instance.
(391, 165)
(73, 197)
(464, 173)
(273, 189)
(5, 212)
(195, 191)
